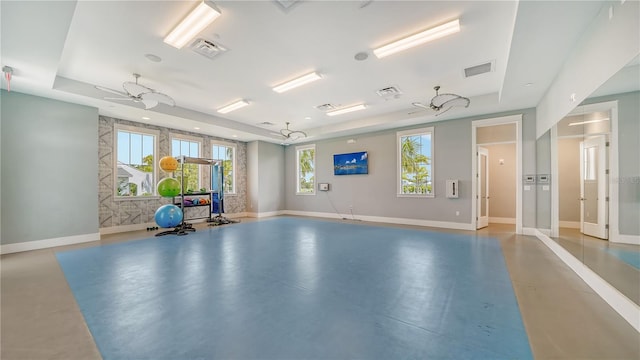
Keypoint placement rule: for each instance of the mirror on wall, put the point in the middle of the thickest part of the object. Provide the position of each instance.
(594, 159)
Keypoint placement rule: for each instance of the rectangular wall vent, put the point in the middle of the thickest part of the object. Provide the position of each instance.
(207, 48)
(478, 69)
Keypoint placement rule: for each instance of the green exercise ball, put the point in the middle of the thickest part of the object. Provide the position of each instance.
(169, 187)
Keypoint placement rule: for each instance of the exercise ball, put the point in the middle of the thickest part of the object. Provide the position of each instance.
(168, 216)
(169, 187)
(168, 164)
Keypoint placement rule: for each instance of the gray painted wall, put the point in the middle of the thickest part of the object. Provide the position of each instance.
(266, 169)
(49, 169)
(375, 194)
(502, 180)
(628, 159)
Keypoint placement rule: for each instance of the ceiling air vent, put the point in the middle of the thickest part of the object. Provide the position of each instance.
(325, 107)
(478, 69)
(207, 48)
(266, 123)
(389, 92)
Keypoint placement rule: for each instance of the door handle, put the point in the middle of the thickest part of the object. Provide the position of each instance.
(583, 199)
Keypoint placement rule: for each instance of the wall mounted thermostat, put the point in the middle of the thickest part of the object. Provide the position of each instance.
(323, 186)
(452, 189)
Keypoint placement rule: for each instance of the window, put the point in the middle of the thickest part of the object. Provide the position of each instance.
(415, 162)
(183, 145)
(227, 154)
(306, 169)
(135, 169)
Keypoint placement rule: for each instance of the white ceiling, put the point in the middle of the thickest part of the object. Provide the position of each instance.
(63, 49)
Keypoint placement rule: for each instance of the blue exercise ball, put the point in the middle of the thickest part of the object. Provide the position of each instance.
(168, 216)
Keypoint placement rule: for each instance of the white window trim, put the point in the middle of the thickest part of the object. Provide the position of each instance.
(140, 130)
(234, 162)
(298, 149)
(199, 140)
(399, 136)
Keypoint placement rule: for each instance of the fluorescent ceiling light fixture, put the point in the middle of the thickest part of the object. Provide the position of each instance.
(587, 122)
(347, 110)
(437, 32)
(297, 82)
(198, 19)
(235, 106)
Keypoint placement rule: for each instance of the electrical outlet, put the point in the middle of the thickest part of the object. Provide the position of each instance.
(457, 213)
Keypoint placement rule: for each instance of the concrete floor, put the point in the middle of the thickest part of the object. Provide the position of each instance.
(563, 317)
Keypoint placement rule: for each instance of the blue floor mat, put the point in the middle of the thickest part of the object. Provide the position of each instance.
(290, 288)
(630, 257)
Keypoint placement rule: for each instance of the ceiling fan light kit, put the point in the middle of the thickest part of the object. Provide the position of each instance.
(302, 80)
(196, 21)
(420, 38)
(233, 106)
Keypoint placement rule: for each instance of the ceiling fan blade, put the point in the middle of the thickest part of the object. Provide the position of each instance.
(420, 105)
(122, 98)
(148, 104)
(111, 91)
(440, 100)
(135, 89)
(459, 101)
(158, 97)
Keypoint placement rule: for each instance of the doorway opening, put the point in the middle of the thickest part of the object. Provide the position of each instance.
(581, 160)
(497, 173)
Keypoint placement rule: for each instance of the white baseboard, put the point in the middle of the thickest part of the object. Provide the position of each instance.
(501, 220)
(381, 219)
(529, 231)
(136, 227)
(629, 310)
(569, 224)
(625, 239)
(48, 243)
(264, 214)
(124, 228)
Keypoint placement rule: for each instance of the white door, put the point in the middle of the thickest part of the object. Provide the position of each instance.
(594, 214)
(482, 197)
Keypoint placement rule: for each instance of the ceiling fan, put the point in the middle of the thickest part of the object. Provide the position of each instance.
(292, 134)
(139, 93)
(441, 103)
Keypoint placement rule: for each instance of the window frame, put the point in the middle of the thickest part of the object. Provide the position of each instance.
(234, 163)
(142, 131)
(188, 138)
(415, 132)
(298, 150)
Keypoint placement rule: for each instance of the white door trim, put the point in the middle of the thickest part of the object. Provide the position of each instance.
(483, 221)
(511, 119)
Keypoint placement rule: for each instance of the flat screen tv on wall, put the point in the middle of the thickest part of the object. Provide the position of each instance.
(351, 163)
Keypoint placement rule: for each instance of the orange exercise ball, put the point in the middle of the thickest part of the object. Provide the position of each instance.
(168, 164)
